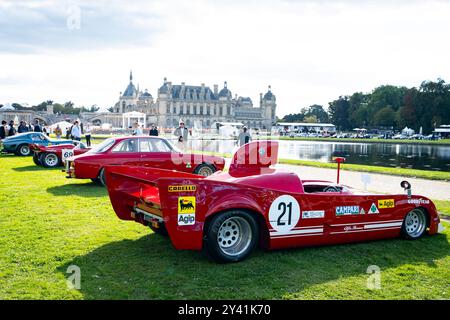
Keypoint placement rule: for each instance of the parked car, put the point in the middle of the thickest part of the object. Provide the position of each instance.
(20, 143)
(54, 156)
(400, 136)
(144, 151)
(230, 213)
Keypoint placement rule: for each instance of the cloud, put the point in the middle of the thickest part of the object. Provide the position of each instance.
(36, 26)
(309, 51)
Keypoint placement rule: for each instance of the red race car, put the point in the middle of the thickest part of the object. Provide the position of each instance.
(230, 213)
(144, 151)
(55, 155)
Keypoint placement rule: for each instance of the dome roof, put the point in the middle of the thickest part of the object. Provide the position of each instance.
(269, 95)
(130, 90)
(224, 92)
(146, 94)
(164, 88)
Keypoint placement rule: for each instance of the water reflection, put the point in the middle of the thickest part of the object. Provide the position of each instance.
(431, 157)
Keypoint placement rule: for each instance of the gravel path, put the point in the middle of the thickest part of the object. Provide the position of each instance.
(438, 190)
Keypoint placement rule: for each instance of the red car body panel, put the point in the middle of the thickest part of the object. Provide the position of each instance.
(88, 166)
(152, 196)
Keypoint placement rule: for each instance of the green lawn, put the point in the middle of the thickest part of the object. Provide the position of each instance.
(48, 223)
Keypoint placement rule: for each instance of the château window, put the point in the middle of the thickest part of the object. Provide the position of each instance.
(168, 109)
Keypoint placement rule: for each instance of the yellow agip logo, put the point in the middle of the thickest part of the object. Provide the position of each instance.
(386, 203)
(186, 205)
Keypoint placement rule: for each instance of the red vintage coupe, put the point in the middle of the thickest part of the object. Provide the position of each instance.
(230, 213)
(55, 155)
(142, 151)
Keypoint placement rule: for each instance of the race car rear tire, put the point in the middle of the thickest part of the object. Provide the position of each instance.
(161, 230)
(23, 150)
(36, 159)
(231, 236)
(205, 169)
(414, 224)
(50, 160)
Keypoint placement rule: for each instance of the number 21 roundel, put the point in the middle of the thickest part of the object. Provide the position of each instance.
(284, 213)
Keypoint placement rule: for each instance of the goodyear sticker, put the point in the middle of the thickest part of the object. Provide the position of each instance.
(182, 188)
(186, 211)
(347, 210)
(386, 203)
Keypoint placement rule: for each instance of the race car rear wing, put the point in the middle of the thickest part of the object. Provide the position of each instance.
(134, 189)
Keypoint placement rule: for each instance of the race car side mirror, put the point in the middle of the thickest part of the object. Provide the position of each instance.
(406, 186)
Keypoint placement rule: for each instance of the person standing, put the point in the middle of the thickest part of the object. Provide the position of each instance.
(3, 130)
(244, 137)
(137, 130)
(58, 132)
(37, 127)
(182, 132)
(154, 131)
(22, 127)
(87, 134)
(12, 130)
(76, 131)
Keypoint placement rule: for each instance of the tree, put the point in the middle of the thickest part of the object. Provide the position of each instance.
(111, 109)
(318, 112)
(385, 117)
(339, 115)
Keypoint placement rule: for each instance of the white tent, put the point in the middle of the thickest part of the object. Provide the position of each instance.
(407, 131)
(62, 124)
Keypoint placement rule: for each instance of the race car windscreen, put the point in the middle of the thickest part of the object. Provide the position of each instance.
(102, 147)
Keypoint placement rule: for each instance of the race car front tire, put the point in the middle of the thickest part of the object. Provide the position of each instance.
(231, 236)
(50, 160)
(414, 224)
(205, 169)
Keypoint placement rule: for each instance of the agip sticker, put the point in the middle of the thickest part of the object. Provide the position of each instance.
(186, 211)
(386, 203)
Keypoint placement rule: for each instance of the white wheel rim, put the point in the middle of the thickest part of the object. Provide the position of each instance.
(51, 160)
(205, 171)
(234, 236)
(415, 223)
(25, 150)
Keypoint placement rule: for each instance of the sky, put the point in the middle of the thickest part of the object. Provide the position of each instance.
(310, 52)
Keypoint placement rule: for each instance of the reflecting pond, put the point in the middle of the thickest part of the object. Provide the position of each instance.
(416, 156)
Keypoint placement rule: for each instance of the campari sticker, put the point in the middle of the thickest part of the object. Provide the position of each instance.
(347, 210)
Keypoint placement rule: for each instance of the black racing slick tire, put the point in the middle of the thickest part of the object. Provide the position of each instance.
(205, 169)
(231, 236)
(36, 159)
(101, 177)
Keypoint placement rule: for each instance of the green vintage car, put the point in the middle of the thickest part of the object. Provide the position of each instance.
(20, 143)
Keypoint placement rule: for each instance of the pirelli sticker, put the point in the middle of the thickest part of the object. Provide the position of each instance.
(186, 211)
(182, 188)
(386, 203)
